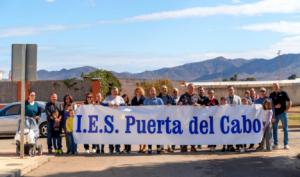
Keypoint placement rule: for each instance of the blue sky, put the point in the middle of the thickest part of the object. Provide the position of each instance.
(138, 35)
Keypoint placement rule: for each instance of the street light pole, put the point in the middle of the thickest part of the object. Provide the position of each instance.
(23, 72)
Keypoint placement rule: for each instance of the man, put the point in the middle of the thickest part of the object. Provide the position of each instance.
(168, 100)
(262, 96)
(114, 101)
(203, 101)
(164, 95)
(189, 98)
(248, 97)
(52, 106)
(175, 95)
(253, 95)
(281, 103)
(153, 100)
(232, 99)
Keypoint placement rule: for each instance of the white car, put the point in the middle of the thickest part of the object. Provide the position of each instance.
(10, 115)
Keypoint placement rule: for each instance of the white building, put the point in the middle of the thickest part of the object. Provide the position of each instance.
(1, 75)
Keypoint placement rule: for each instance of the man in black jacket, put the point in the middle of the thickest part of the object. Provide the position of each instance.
(51, 107)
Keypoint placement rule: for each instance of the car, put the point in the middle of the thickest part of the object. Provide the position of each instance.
(11, 114)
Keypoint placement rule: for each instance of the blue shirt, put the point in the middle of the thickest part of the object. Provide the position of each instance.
(153, 101)
(260, 100)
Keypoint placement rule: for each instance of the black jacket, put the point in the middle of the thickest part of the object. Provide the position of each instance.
(135, 102)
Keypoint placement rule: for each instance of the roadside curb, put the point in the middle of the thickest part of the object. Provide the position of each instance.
(26, 167)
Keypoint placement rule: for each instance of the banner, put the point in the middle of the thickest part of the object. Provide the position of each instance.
(173, 125)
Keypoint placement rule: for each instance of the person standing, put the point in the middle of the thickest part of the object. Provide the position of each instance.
(98, 101)
(203, 99)
(232, 99)
(262, 96)
(189, 98)
(168, 100)
(267, 118)
(67, 103)
(69, 132)
(89, 100)
(137, 100)
(212, 101)
(52, 106)
(175, 95)
(114, 101)
(253, 95)
(153, 100)
(32, 108)
(127, 147)
(281, 104)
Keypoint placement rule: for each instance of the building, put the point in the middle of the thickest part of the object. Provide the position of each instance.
(1, 75)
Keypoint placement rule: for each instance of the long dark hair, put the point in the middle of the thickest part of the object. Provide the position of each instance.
(65, 99)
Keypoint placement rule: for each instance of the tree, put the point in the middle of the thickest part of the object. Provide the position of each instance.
(234, 77)
(292, 77)
(107, 79)
(147, 84)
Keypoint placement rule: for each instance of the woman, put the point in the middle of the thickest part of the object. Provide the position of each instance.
(114, 101)
(98, 101)
(32, 108)
(127, 148)
(89, 101)
(138, 100)
(67, 104)
(212, 101)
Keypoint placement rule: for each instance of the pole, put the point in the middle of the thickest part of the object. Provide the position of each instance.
(23, 72)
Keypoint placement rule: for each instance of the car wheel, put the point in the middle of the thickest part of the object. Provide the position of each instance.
(43, 129)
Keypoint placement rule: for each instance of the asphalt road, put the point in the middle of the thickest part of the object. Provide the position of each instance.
(279, 163)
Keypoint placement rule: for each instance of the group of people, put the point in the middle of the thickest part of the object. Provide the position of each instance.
(60, 116)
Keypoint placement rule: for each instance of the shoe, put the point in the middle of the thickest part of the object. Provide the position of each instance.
(94, 150)
(275, 147)
(60, 152)
(242, 150)
(286, 147)
(199, 146)
(223, 149)
(102, 152)
(259, 148)
(159, 152)
(50, 151)
(149, 151)
(193, 149)
(87, 151)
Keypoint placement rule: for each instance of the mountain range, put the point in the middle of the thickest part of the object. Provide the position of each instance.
(216, 69)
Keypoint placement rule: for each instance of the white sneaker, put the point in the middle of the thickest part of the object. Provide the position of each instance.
(94, 150)
(87, 151)
(275, 147)
(242, 150)
(286, 147)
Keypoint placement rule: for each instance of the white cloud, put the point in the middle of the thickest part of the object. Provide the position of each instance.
(247, 9)
(26, 31)
(289, 28)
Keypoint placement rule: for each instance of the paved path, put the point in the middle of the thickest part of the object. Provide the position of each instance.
(280, 163)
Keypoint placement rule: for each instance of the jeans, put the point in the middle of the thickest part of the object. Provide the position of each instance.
(267, 138)
(72, 145)
(284, 120)
(57, 142)
(49, 134)
(114, 147)
(94, 146)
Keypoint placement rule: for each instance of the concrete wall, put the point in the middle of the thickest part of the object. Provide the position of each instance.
(8, 91)
(43, 89)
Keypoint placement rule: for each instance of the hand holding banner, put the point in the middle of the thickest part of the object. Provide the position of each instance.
(176, 125)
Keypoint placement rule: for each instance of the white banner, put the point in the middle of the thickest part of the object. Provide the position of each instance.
(173, 125)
